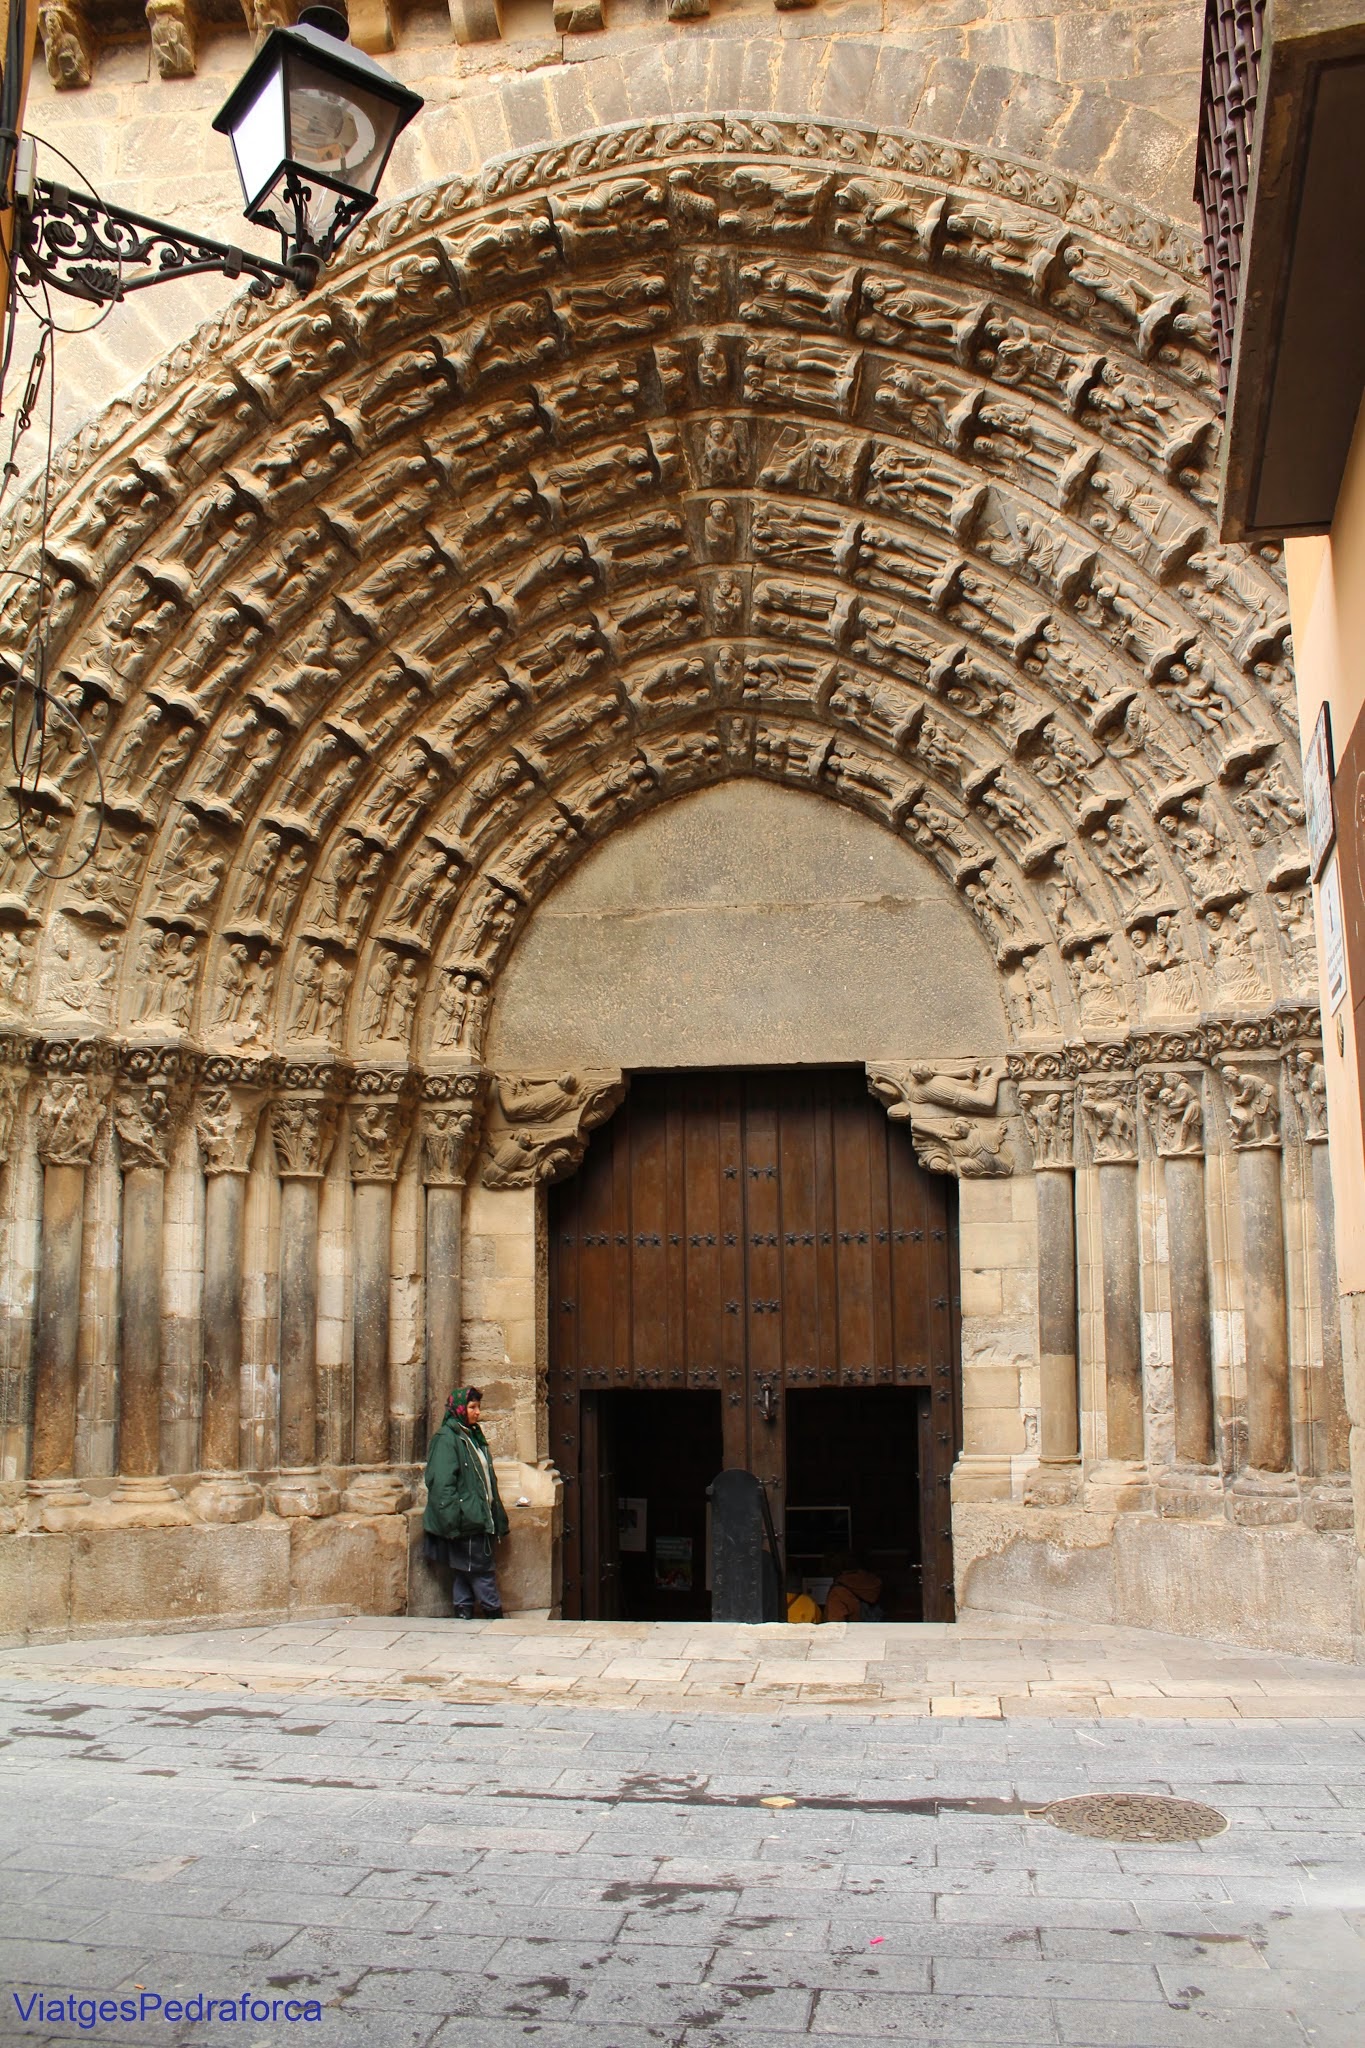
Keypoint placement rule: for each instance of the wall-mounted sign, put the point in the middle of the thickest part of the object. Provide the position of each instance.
(1333, 935)
(1319, 809)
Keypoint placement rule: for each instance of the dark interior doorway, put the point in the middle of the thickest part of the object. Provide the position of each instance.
(658, 1451)
(853, 1496)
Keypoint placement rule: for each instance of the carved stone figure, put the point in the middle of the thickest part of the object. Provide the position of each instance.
(971, 1144)
(173, 41)
(225, 1122)
(1110, 1112)
(1253, 1101)
(1049, 1117)
(67, 1125)
(67, 44)
(378, 1137)
(539, 1129)
(1175, 1111)
(144, 1119)
(1307, 1079)
(460, 1007)
(302, 1129)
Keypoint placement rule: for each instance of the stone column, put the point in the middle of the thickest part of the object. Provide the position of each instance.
(1266, 1490)
(70, 1115)
(1330, 1424)
(1049, 1115)
(16, 1309)
(452, 1117)
(1110, 1110)
(380, 1120)
(1174, 1109)
(303, 1129)
(146, 1105)
(226, 1121)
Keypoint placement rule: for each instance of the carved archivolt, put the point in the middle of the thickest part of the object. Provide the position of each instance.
(851, 461)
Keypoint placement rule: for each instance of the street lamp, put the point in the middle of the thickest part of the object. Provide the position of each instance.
(312, 125)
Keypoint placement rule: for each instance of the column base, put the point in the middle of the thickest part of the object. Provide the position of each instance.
(55, 1503)
(978, 1475)
(1053, 1483)
(1263, 1500)
(225, 1497)
(1118, 1486)
(303, 1492)
(142, 1502)
(1327, 1505)
(1190, 1493)
(375, 1490)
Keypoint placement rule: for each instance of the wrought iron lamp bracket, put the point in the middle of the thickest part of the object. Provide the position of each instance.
(100, 253)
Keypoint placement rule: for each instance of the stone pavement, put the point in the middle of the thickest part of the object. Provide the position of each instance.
(377, 1815)
(982, 1665)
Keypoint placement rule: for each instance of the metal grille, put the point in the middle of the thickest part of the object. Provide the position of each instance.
(1136, 1817)
(1227, 115)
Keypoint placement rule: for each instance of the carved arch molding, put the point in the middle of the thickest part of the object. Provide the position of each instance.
(858, 462)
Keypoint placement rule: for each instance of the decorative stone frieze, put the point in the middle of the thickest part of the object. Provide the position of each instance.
(970, 1144)
(538, 1129)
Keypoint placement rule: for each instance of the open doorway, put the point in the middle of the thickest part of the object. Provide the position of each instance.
(661, 1449)
(853, 1491)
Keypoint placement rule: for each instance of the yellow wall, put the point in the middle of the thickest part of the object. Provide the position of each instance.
(1327, 605)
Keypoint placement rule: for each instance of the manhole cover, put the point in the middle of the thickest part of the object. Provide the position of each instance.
(1136, 1817)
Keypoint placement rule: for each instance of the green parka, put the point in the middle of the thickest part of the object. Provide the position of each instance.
(462, 1495)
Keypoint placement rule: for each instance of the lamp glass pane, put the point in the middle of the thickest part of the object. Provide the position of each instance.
(336, 127)
(258, 137)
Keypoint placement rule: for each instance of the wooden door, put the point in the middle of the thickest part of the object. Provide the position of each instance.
(750, 1232)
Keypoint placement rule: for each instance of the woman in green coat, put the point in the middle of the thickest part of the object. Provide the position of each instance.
(464, 1516)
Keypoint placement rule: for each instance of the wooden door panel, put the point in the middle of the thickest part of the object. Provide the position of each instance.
(742, 1231)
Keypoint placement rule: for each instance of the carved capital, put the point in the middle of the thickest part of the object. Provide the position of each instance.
(452, 1119)
(378, 1136)
(1109, 1109)
(1174, 1108)
(303, 1130)
(70, 1114)
(970, 1143)
(226, 1121)
(147, 1115)
(1050, 1119)
(1252, 1093)
(1307, 1079)
(538, 1128)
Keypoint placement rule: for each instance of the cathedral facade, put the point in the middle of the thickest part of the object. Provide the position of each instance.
(693, 813)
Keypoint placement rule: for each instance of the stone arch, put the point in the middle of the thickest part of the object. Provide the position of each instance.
(684, 454)
(848, 460)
